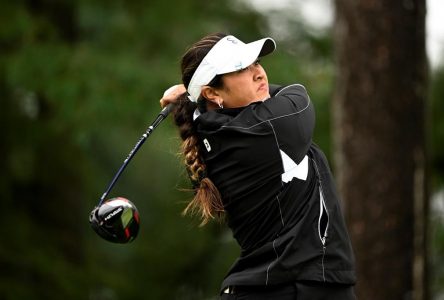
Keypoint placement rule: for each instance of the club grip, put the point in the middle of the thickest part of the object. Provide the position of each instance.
(166, 110)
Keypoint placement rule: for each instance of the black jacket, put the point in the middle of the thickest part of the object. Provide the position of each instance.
(278, 192)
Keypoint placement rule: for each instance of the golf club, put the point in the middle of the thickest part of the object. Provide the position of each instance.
(117, 219)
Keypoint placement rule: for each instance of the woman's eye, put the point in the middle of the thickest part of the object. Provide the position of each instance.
(256, 63)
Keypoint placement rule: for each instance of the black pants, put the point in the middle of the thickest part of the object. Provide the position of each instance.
(294, 291)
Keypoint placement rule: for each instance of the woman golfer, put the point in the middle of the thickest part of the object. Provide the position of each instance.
(249, 153)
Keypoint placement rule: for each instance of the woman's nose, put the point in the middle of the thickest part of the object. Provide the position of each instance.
(258, 72)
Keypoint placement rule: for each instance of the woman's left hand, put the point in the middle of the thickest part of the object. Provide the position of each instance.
(172, 94)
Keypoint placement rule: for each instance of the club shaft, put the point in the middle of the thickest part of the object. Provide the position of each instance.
(162, 115)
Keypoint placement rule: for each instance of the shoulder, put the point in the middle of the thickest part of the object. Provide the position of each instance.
(287, 99)
(296, 88)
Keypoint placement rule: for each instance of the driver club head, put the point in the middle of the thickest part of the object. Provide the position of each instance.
(116, 220)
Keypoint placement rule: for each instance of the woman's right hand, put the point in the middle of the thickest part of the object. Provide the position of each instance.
(172, 94)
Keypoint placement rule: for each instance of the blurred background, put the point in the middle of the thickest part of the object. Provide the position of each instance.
(80, 82)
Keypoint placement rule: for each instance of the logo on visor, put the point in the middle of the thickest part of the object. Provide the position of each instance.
(238, 66)
(232, 39)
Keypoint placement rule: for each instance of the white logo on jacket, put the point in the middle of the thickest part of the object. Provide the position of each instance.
(207, 145)
(292, 169)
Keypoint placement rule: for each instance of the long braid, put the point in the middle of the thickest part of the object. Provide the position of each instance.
(207, 201)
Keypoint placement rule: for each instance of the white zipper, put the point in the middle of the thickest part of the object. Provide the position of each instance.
(270, 265)
(322, 209)
(322, 235)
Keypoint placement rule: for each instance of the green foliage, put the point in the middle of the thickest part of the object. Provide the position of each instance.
(79, 81)
(437, 126)
(436, 145)
(436, 257)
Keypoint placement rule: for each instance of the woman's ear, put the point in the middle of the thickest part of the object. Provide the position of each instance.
(211, 94)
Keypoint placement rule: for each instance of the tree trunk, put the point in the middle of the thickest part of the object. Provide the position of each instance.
(379, 122)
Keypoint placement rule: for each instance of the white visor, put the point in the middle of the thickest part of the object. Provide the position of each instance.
(227, 55)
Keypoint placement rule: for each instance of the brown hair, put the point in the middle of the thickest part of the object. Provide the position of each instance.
(207, 200)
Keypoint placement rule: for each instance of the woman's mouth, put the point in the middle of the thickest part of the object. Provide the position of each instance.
(263, 87)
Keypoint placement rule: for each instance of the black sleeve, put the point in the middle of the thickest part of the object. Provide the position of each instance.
(291, 114)
(274, 88)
